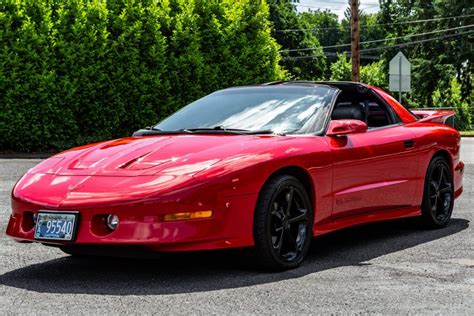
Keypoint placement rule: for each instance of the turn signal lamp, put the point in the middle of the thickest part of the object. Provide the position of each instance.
(186, 216)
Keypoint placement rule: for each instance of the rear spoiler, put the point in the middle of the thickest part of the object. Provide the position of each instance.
(435, 116)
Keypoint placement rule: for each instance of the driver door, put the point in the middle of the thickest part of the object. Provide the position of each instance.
(373, 171)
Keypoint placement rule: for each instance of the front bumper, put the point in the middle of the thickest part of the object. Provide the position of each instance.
(142, 225)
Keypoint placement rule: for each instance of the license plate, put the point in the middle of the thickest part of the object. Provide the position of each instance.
(55, 226)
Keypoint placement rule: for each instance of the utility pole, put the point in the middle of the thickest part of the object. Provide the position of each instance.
(355, 39)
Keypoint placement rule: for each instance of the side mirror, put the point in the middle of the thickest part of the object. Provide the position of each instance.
(344, 127)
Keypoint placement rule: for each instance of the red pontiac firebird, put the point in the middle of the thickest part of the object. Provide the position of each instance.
(267, 166)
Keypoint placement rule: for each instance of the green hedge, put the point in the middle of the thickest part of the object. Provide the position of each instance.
(73, 72)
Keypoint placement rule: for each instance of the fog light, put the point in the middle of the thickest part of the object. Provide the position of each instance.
(186, 216)
(112, 221)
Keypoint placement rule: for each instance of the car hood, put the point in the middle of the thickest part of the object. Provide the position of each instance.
(129, 169)
(151, 155)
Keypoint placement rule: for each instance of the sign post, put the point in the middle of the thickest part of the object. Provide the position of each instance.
(400, 75)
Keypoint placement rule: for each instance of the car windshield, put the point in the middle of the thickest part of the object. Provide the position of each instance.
(281, 109)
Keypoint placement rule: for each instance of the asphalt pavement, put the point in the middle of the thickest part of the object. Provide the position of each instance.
(385, 268)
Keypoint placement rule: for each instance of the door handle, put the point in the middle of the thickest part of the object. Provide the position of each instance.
(409, 143)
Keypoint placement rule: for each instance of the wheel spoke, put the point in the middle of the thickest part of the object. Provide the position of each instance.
(292, 240)
(434, 204)
(298, 218)
(289, 200)
(278, 215)
(434, 184)
(441, 174)
(280, 242)
(445, 190)
(277, 212)
(275, 208)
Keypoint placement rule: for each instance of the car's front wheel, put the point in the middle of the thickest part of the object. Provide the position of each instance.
(282, 223)
(438, 196)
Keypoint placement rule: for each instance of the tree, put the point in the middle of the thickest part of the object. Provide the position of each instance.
(341, 69)
(373, 74)
(290, 32)
(324, 25)
(435, 62)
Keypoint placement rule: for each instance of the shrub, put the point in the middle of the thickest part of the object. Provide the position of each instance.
(77, 71)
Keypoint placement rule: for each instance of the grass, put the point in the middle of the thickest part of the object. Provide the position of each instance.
(467, 133)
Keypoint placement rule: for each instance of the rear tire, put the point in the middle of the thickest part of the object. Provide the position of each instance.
(282, 223)
(438, 194)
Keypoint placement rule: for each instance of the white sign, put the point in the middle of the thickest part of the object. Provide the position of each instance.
(400, 73)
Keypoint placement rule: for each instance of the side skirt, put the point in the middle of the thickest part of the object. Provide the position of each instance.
(365, 218)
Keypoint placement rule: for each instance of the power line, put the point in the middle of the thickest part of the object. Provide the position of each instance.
(330, 3)
(379, 40)
(317, 7)
(378, 24)
(366, 50)
(330, 54)
(415, 42)
(338, 2)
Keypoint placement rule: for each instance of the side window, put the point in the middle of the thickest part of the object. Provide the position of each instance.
(379, 115)
(364, 107)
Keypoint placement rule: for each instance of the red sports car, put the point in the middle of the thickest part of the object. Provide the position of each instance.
(267, 166)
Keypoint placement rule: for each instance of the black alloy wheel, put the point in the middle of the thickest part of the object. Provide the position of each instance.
(283, 223)
(438, 197)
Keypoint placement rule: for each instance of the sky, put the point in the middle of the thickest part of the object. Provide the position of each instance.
(337, 6)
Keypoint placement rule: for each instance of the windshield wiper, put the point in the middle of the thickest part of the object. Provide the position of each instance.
(157, 131)
(203, 130)
(221, 129)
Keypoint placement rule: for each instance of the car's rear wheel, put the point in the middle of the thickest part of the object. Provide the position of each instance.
(282, 223)
(438, 195)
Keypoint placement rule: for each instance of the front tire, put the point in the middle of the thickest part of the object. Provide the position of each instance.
(438, 194)
(282, 223)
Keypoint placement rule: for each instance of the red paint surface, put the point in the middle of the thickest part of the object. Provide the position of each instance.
(355, 179)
